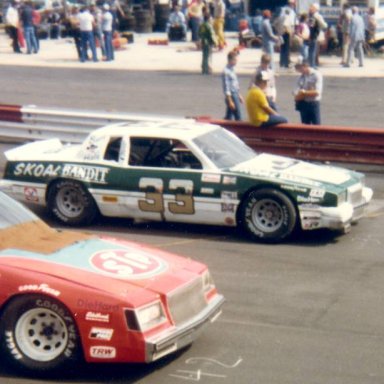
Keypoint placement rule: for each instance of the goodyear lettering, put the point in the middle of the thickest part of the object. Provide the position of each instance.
(12, 346)
(40, 288)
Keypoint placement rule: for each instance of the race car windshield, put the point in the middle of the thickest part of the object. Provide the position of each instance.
(13, 213)
(223, 148)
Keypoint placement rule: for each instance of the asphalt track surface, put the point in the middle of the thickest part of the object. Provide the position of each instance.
(308, 311)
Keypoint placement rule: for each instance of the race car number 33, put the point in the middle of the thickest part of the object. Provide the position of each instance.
(127, 265)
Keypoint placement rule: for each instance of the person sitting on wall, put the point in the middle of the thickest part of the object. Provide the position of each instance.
(176, 27)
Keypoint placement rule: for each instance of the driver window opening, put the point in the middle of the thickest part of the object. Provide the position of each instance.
(112, 151)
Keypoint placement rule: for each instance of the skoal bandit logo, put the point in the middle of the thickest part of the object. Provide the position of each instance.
(127, 264)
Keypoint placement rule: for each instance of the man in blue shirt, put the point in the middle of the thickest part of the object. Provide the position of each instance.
(29, 30)
(231, 88)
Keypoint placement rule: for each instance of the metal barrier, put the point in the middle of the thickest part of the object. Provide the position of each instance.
(322, 143)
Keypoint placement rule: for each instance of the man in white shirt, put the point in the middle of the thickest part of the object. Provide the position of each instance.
(107, 27)
(87, 22)
(12, 21)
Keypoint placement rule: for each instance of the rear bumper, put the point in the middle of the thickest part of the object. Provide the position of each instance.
(335, 218)
(183, 335)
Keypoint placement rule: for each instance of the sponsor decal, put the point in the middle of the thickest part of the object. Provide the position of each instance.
(85, 173)
(210, 178)
(123, 264)
(229, 180)
(103, 352)
(82, 172)
(37, 170)
(45, 288)
(207, 191)
(101, 333)
(30, 194)
(317, 192)
(227, 207)
(307, 199)
(110, 199)
(96, 306)
(229, 195)
(294, 188)
(97, 316)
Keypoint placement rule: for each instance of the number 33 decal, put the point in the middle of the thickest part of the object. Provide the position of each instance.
(154, 198)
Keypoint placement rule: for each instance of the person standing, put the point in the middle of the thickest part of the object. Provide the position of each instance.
(231, 88)
(344, 25)
(357, 37)
(316, 24)
(302, 34)
(97, 28)
(12, 21)
(259, 110)
(195, 15)
(74, 28)
(36, 18)
(308, 93)
(208, 40)
(107, 28)
(86, 33)
(218, 22)
(29, 30)
(269, 39)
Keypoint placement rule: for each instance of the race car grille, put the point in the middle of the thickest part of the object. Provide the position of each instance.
(355, 194)
(187, 302)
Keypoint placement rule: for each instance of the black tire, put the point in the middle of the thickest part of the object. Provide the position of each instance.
(38, 334)
(71, 204)
(268, 215)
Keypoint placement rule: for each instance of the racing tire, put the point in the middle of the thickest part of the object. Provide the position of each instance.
(268, 215)
(39, 335)
(71, 203)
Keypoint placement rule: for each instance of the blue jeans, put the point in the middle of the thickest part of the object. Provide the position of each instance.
(108, 45)
(312, 53)
(87, 38)
(30, 38)
(310, 112)
(304, 50)
(233, 114)
(274, 120)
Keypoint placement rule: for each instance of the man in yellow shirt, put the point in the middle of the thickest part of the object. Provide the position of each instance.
(259, 111)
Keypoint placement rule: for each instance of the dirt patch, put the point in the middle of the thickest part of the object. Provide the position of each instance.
(36, 236)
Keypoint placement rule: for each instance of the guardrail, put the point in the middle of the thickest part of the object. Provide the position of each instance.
(321, 143)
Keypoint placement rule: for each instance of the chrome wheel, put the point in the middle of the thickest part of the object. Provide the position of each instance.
(70, 201)
(267, 215)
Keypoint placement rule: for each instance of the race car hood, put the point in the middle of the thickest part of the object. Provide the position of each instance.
(109, 265)
(291, 170)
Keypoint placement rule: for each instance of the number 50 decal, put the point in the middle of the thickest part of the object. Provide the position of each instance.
(154, 198)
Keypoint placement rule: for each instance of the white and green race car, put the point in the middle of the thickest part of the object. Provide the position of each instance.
(183, 171)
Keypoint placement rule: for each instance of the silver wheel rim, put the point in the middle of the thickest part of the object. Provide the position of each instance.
(41, 334)
(70, 201)
(267, 215)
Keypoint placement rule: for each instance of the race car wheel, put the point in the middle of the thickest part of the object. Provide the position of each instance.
(69, 202)
(38, 334)
(268, 215)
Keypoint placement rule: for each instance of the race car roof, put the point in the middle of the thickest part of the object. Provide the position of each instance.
(176, 129)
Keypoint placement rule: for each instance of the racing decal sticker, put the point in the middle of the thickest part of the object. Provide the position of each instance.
(103, 352)
(207, 191)
(229, 180)
(210, 178)
(96, 305)
(44, 288)
(97, 317)
(101, 333)
(127, 264)
(317, 192)
(294, 188)
(31, 194)
(82, 172)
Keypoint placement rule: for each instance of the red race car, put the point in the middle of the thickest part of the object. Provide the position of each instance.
(69, 295)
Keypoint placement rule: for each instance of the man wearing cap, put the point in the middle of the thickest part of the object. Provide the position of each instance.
(107, 27)
(308, 93)
(259, 111)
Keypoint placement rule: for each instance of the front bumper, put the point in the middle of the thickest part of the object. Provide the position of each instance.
(336, 218)
(183, 335)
